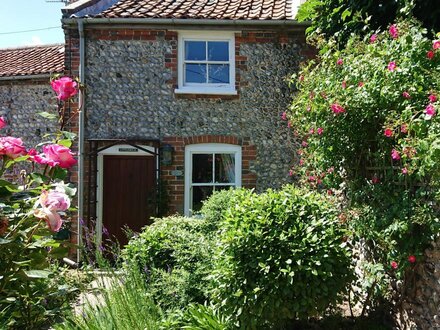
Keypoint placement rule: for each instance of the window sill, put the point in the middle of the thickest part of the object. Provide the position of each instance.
(205, 91)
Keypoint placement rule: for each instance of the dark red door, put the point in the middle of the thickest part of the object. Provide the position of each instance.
(128, 194)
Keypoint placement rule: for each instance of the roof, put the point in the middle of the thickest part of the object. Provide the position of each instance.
(28, 61)
(186, 9)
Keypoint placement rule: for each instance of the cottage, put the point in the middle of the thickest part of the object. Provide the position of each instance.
(182, 98)
(25, 91)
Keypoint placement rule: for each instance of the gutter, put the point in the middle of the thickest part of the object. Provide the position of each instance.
(27, 77)
(186, 22)
(81, 132)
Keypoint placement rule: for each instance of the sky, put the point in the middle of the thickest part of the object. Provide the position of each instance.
(25, 15)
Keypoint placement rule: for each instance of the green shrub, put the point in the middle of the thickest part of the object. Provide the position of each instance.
(281, 256)
(175, 257)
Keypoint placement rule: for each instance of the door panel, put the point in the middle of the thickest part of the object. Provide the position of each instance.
(128, 193)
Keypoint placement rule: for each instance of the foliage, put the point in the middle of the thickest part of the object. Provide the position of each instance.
(340, 19)
(203, 317)
(281, 256)
(369, 127)
(174, 256)
(32, 203)
(122, 302)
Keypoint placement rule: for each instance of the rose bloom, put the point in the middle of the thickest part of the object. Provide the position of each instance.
(336, 108)
(436, 44)
(393, 31)
(2, 122)
(373, 38)
(432, 98)
(430, 54)
(284, 116)
(430, 110)
(361, 83)
(404, 128)
(65, 88)
(344, 84)
(394, 265)
(375, 180)
(404, 171)
(304, 144)
(54, 200)
(395, 154)
(412, 259)
(392, 66)
(51, 217)
(320, 130)
(340, 61)
(406, 95)
(388, 132)
(54, 155)
(289, 124)
(11, 147)
(312, 131)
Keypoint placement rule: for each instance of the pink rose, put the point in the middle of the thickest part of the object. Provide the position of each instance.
(301, 78)
(361, 84)
(393, 31)
(404, 128)
(375, 180)
(404, 171)
(373, 38)
(344, 84)
(2, 122)
(65, 88)
(430, 110)
(406, 95)
(412, 259)
(330, 170)
(284, 116)
(289, 124)
(290, 173)
(11, 147)
(395, 154)
(304, 144)
(51, 217)
(432, 98)
(436, 44)
(312, 131)
(320, 130)
(54, 200)
(388, 132)
(392, 66)
(301, 162)
(54, 154)
(336, 108)
(430, 54)
(340, 61)
(394, 265)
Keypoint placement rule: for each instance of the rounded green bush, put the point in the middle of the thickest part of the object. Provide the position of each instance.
(281, 256)
(175, 257)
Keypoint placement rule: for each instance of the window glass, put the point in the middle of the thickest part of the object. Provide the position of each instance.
(199, 194)
(195, 50)
(218, 74)
(202, 168)
(195, 73)
(218, 51)
(224, 168)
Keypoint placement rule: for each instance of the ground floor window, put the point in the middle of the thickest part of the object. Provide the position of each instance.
(209, 167)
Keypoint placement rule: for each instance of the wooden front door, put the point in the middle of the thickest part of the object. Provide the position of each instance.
(128, 194)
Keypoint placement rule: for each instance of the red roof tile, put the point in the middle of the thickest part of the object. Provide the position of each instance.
(200, 9)
(31, 60)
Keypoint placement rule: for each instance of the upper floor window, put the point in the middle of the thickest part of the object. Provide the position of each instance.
(206, 63)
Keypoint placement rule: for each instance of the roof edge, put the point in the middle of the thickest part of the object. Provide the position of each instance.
(28, 77)
(30, 47)
(186, 21)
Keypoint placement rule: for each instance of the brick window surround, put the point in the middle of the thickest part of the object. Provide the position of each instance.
(175, 185)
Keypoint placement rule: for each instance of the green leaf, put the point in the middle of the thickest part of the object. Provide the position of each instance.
(345, 13)
(37, 273)
(66, 142)
(48, 115)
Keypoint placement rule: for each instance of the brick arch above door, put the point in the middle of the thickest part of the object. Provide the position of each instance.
(175, 184)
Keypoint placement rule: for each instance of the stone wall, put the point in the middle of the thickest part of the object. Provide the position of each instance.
(20, 103)
(420, 308)
(131, 76)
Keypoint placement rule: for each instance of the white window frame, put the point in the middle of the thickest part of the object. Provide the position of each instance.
(205, 88)
(205, 148)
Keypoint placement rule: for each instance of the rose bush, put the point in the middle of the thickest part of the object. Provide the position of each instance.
(33, 207)
(379, 150)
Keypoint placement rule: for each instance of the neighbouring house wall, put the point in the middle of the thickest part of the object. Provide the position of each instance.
(420, 308)
(131, 75)
(20, 103)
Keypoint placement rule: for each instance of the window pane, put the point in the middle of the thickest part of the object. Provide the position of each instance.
(218, 74)
(200, 194)
(195, 73)
(218, 51)
(225, 168)
(195, 50)
(202, 168)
